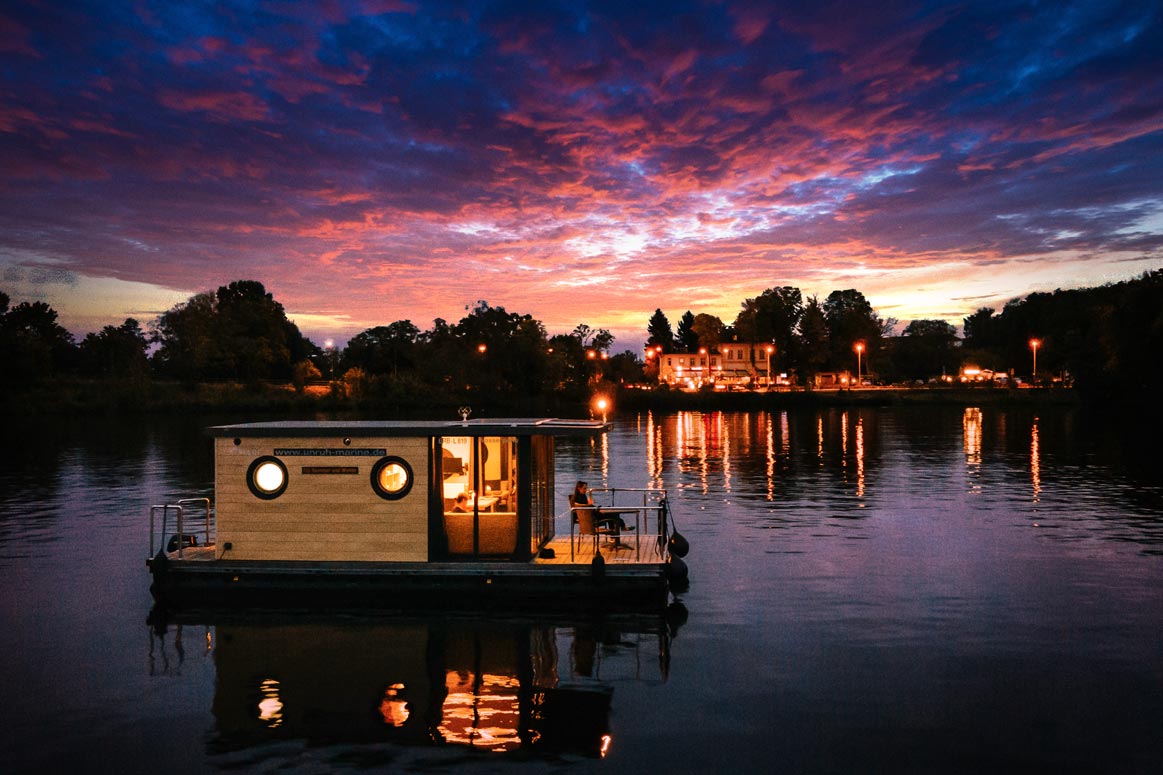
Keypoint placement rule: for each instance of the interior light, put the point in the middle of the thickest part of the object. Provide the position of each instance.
(267, 477)
(391, 478)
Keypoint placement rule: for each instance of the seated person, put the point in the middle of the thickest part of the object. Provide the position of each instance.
(461, 504)
(581, 497)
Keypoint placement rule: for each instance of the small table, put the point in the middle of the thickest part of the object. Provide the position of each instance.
(610, 512)
(486, 502)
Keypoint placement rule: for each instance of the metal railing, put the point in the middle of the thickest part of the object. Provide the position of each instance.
(649, 509)
(179, 528)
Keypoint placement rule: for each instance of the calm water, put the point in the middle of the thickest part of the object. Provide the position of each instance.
(921, 590)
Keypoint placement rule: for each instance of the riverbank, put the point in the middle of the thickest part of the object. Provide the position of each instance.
(872, 396)
(95, 397)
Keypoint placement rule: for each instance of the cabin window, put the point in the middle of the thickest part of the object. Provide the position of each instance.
(267, 477)
(391, 478)
(479, 482)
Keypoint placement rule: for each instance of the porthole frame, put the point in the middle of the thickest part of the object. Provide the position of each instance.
(383, 463)
(258, 492)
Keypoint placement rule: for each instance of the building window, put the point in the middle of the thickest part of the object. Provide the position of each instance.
(391, 478)
(267, 477)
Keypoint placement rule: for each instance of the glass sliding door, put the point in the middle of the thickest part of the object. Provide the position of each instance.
(479, 481)
(541, 491)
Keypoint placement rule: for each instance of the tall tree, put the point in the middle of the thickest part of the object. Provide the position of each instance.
(597, 339)
(814, 347)
(708, 330)
(117, 351)
(384, 349)
(238, 332)
(659, 332)
(926, 348)
(513, 358)
(685, 337)
(777, 314)
(852, 320)
(32, 344)
(189, 348)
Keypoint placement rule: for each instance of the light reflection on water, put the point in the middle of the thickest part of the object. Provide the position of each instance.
(920, 590)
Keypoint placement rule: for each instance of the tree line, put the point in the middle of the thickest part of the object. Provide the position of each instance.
(240, 333)
(1107, 339)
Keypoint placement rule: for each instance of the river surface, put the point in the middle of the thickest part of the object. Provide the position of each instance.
(935, 589)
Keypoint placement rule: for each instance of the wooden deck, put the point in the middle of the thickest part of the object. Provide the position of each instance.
(635, 550)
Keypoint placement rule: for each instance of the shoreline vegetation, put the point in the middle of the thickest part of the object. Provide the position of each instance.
(235, 350)
(156, 397)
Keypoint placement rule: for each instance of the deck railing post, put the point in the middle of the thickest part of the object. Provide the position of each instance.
(204, 503)
(180, 531)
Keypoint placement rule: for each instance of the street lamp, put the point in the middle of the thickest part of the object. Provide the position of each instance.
(481, 348)
(859, 349)
(1034, 345)
(770, 349)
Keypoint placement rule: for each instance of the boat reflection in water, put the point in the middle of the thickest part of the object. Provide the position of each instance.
(497, 684)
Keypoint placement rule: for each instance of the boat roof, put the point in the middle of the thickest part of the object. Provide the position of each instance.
(521, 426)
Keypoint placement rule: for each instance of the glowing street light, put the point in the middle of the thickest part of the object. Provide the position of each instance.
(482, 347)
(770, 349)
(859, 349)
(1034, 345)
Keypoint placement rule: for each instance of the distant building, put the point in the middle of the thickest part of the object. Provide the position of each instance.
(728, 365)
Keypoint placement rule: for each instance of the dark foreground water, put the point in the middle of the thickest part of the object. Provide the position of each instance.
(921, 590)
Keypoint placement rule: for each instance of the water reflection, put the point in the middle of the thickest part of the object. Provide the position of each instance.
(971, 429)
(1035, 462)
(834, 467)
(488, 684)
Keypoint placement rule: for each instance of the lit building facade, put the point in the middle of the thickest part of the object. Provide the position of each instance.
(729, 365)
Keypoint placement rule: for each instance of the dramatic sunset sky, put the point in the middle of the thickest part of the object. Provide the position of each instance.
(370, 161)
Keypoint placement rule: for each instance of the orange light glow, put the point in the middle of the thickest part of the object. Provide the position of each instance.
(482, 712)
(270, 708)
(393, 708)
(482, 347)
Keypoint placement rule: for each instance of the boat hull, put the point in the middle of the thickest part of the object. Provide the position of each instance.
(178, 583)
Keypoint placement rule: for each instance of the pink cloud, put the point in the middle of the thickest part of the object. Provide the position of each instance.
(224, 107)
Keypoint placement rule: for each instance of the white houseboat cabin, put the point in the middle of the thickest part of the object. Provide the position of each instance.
(398, 510)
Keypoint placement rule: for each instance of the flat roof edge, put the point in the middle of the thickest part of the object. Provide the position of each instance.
(548, 426)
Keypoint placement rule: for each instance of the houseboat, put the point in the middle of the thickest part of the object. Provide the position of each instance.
(403, 513)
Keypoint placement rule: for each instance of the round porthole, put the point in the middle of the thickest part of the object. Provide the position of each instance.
(391, 478)
(267, 477)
